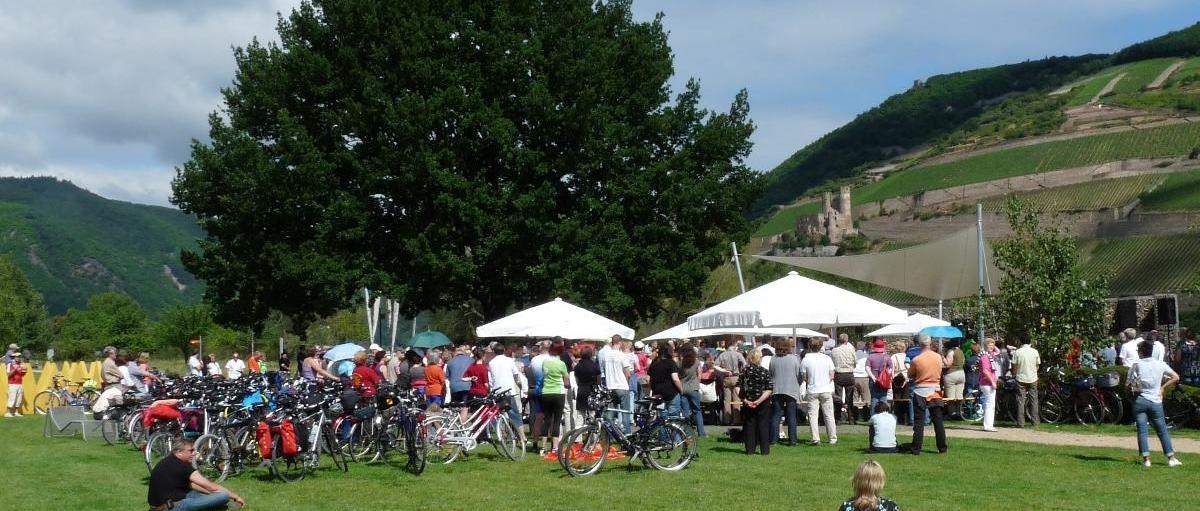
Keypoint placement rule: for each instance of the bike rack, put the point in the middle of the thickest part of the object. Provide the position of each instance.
(64, 421)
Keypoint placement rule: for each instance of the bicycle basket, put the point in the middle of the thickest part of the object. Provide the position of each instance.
(1108, 380)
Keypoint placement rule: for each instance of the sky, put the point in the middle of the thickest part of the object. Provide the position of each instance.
(110, 93)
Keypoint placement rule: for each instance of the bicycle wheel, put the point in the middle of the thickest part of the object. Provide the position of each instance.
(414, 443)
(158, 447)
(335, 453)
(1177, 409)
(1052, 406)
(505, 439)
(1114, 406)
(89, 398)
(1088, 409)
(582, 451)
(670, 447)
(45, 400)
(111, 429)
(438, 449)
(136, 430)
(244, 438)
(289, 469)
(389, 445)
(973, 410)
(212, 457)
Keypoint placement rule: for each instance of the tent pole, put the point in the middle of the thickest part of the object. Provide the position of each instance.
(979, 229)
(940, 309)
(737, 263)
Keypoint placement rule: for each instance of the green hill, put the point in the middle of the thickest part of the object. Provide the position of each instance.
(72, 243)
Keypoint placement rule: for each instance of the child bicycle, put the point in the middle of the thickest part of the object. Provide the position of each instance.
(665, 443)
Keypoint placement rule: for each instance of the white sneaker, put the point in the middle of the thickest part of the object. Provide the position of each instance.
(1145, 463)
(8, 414)
(832, 441)
(18, 414)
(1174, 462)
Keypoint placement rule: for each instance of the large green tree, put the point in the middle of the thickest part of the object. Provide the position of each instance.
(23, 317)
(179, 324)
(110, 319)
(1044, 293)
(479, 154)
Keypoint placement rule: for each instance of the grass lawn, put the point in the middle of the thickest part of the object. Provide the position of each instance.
(67, 473)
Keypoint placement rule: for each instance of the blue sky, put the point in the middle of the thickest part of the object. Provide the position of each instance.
(108, 93)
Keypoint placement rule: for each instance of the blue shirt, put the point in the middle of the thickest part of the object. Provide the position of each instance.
(455, 369)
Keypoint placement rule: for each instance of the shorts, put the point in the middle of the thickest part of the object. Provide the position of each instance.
(16, 393)
(435, 400)
(459, 396)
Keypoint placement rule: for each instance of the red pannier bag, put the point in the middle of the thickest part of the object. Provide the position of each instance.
(287, 437)
(159, 413)
(264, 440)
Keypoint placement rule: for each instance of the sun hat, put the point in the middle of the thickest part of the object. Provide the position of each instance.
(879, 346)
(639, 345)
(13, 347)
(375, 347)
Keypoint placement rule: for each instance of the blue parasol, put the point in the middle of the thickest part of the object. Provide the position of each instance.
(942, 332)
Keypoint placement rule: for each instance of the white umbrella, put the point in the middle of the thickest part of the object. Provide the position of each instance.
(797, 301)
(681, 331)
(555, 319)
(911, 326)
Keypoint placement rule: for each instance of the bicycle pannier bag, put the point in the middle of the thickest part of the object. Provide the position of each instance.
(264, 440)
(159, 413)
(287, 437)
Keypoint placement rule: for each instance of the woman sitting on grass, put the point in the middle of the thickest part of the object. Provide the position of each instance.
(868, 482)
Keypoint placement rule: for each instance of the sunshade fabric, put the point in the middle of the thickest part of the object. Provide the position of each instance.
(909, 327)
(555, 318)
(941, 269)
(795, 301)
(681, 331)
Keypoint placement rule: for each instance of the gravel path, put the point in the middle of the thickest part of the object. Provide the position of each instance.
(1107, 88)
(1162, 77)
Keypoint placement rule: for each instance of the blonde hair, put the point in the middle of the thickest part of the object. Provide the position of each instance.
(360, 357)
(868, 482)
(755, 356)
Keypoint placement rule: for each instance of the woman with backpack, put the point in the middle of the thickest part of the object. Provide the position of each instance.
(880, 371)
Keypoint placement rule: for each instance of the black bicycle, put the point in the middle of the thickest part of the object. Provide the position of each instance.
(661, 443)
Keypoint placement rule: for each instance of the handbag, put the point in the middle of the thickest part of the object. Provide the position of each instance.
(708, 392)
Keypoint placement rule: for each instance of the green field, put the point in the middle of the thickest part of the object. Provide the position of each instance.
(1140, 74)
(67, 473)
(785, 219)
(1181, 191)
(1090, 196)
(1149, 264)
(1092, 86)
(1186, 73)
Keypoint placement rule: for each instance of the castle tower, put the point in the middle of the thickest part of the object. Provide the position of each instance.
(844, 202)
(827, 202)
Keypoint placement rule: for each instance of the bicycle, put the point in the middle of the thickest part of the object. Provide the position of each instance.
(1179, 407)
(60, 394)
(315, 434)
(231, 448)
(660, 442)
(401, 433)
(448, 436)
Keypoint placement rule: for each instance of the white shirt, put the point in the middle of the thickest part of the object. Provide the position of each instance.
(503, 374)
(613, 364)
(817, 368)
(126, 378)
(214, 368)
(765, 363)
(1129, 353)
(1160, 352)
(885, 430)
(860, 367)
(195, 366)
(234, 368)
(1146, 377)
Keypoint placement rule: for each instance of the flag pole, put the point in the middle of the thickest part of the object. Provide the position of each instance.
(737, 263)
(979, 228)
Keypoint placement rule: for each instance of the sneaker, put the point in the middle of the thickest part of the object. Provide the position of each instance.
(8, 414)
(832, 441)
(991, 430)
(1174, 462)
(1145, 463)
(18, 414)
(814, 442)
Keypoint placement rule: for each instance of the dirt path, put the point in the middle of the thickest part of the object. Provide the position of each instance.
(1107, 88)
(1162, 77)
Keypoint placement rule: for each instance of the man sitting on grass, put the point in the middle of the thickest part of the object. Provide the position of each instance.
(174, 484)
(882, 430)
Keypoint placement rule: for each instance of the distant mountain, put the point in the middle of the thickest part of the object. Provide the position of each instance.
(940, 106)
(72, 243)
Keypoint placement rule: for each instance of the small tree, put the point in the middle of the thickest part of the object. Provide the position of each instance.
(1044, 293)
(179, 324)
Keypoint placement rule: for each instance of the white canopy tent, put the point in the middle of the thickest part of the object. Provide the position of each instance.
(681, 331)
(911, 326)
(555, 318)
(796, 301)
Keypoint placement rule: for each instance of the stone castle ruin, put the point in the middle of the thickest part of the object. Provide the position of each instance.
(836, 222)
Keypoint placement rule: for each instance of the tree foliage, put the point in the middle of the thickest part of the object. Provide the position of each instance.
(23, 317)
(110, 319)
(490, 154)
(178, 325)
(1044, 293)
(1180, 43)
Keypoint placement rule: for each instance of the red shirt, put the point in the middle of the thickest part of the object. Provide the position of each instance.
(479, 387)
(16, 373)
(366, 378)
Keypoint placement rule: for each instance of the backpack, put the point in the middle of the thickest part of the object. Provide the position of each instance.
(885, 376)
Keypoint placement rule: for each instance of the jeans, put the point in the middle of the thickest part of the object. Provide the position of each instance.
(196, 501)
(912, 407)
(674, 405)
(690, 402)
(756, 428)
(783, 406)
(843, 394)
(924, 410)
(878, 395)
(1023, 390)
(620, 397)
(988, 394)
(1145, 411)
(818, 405)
